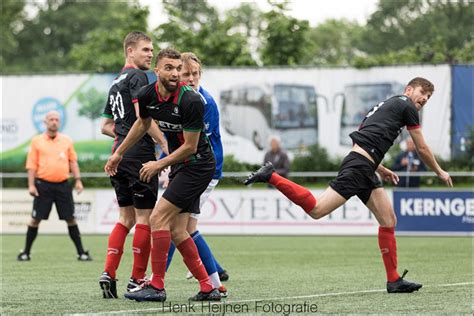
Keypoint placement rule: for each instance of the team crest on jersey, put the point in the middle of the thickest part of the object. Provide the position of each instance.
(404, 98)
(175, 111)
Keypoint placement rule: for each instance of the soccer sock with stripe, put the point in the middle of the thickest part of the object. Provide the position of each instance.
(76, 238)
(388, 248)
(159, 254)
(31, 234)
(115, 248)
(207, 258)
(141, 250)
(294, 192)
(191, 258)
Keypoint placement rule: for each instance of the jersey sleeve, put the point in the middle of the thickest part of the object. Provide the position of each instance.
(72, 155)
(411, 116)
(213, 113)
(32, 158)
(137, 81)
(143, 98)
(193, 113)
(108, 108)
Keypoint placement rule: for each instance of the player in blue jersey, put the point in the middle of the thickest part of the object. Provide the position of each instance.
(191, 75)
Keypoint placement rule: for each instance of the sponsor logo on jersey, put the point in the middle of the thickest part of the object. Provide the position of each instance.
(166, 126)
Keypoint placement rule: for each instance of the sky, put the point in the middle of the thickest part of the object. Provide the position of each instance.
(315, 11)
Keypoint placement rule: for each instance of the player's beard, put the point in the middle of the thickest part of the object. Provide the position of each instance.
(168, 86)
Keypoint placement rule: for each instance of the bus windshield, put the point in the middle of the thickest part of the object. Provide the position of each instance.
(295, 107)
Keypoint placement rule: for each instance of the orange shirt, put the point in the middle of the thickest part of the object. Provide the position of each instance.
(50, 157)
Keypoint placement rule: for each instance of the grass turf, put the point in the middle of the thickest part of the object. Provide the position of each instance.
(277, 271)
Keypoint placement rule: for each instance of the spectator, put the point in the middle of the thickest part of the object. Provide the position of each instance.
(278, 157)
(409, 161)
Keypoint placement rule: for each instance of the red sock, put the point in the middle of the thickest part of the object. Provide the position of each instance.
(296, 193)
(192, 260)
(141, 250)
(159, 255)
(115, 248)
(388, 248)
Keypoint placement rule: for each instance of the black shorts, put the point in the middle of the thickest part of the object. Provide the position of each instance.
(356, 177)
(49, 192)
(186, 185)
(128, 187)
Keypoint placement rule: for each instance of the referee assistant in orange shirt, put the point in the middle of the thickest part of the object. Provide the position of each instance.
(50, 159)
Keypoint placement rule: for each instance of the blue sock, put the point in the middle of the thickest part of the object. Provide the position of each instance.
(170, 255)
(204, 252)
(218, 266)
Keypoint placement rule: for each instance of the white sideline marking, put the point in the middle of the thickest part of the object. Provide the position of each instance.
(160, 309)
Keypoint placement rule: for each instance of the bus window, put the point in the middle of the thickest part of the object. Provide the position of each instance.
(296, 107)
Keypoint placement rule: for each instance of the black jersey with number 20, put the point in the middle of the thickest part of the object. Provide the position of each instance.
(122, 95)
(383, 124)
(182, 111)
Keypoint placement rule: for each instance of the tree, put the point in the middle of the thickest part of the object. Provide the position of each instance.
(92, 105)
(248, 20)
(285, 40)
(335, 42)
(102, 49)
(46, 40)
(11, 22)
(195, 26)
(419, 31)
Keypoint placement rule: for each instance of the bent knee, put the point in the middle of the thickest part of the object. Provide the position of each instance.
(179, 235)
(127, 221)
(316, 213)
(389, 221)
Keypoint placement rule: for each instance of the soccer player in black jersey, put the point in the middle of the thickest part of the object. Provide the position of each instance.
(179, 111)
(135, 198)
(356, 176)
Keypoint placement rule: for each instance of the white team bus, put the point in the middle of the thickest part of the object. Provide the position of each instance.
(257, 111)
(357, 100)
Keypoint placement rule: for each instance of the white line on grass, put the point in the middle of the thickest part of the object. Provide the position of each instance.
(161, 309)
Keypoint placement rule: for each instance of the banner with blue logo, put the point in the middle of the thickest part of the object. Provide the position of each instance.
(434, 211)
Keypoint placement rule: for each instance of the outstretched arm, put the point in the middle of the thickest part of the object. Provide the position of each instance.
(427, 156)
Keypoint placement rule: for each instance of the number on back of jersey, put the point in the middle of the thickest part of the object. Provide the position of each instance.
(374, 109)
(116, 103)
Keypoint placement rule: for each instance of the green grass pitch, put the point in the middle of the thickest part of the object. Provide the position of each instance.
(341, 275)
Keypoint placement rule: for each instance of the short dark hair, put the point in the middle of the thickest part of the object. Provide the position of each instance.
(167, 53)
(421, 82)
(188, 57)
(133, 38)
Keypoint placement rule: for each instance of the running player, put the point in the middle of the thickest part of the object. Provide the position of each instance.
(179, 111)
(135, 198)
(376, 135)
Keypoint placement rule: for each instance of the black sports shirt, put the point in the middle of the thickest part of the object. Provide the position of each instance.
(122, 95)
(182, 111)
(383, 124)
